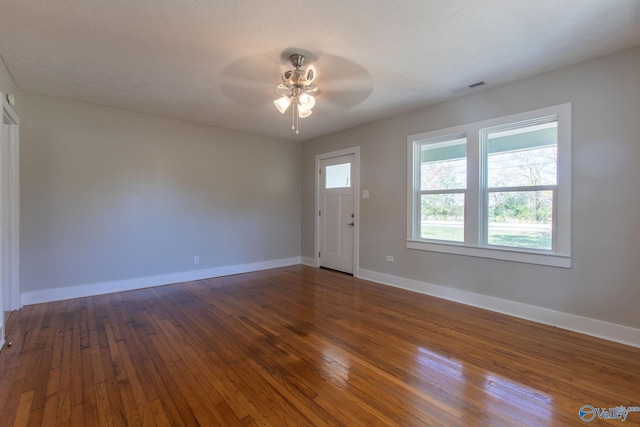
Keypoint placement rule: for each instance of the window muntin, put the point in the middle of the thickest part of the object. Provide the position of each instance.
(517, 199)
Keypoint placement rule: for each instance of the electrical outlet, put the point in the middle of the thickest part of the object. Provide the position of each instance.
(196, 259)
(389, 258)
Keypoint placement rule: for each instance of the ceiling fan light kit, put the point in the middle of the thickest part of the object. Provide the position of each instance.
(297, 89)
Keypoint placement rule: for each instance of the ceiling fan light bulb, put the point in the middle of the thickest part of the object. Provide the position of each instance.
(282, 103)
(307, 101)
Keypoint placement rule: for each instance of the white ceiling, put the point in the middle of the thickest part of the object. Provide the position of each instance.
(217, 61)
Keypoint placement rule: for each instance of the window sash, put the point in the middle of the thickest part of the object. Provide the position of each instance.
(415, 158)
(449, 142)
(539, 188)
(419, 230)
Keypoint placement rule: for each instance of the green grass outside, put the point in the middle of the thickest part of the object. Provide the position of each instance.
(515, 238)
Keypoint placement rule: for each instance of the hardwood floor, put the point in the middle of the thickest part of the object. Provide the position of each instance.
(301, 346)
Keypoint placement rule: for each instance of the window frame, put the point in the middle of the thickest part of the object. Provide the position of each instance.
(476, 194)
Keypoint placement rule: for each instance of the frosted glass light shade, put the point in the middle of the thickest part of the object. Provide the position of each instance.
(282, 103)
(307, 101)
(303, 112)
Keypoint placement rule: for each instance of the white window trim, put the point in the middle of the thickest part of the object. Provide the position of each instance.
(560, 257)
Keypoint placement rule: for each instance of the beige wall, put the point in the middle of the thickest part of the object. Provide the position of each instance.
(604, 282)
(110, 195)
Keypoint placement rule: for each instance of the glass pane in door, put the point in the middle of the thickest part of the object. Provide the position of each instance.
(338, 176)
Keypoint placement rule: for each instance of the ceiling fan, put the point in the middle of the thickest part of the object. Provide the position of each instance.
(297, 90)
(337, 82)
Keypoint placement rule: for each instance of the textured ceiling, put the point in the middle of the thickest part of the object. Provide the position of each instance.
(217, 62)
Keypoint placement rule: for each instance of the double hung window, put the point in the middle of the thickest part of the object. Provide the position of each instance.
(497, 189)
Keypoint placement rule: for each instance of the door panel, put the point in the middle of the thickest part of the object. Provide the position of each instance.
(346, 232)
(331, 232)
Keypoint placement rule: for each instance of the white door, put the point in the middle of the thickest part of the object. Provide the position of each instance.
(336, 213)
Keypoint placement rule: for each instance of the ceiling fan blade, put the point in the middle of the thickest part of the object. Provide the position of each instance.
(342, 82)
(251, 81)
(342, 100)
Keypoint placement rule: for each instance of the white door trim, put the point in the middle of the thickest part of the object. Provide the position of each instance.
(356, 203)
(9, 179)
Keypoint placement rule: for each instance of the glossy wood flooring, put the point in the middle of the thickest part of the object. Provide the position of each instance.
(300, 346)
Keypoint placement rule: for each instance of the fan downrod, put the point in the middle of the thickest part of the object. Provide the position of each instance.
(297, 60)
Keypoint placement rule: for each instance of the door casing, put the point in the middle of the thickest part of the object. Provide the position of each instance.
(9, 214)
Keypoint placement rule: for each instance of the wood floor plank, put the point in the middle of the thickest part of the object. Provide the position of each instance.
(24, 409)
(160, 417)
(103, 407)
(108, 394)
(77, 417)
(36, 418)
(301, 346)
(173, 401)
(88, 403)
(51, 402)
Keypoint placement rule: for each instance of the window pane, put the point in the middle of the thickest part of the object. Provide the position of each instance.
(526, 156)
(338, 176)
(442, 217)
(521, 219)
(443, 165)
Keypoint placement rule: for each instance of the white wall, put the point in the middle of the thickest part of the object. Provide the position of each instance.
(604, 283)
(112, 196)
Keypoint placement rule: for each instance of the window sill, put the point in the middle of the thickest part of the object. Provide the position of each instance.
(506, 254)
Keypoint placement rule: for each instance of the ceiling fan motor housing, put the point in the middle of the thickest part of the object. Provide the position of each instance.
(297, 77)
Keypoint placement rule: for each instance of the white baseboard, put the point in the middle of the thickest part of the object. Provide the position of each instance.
(58, 294)
(309, 261)
(584, 325)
